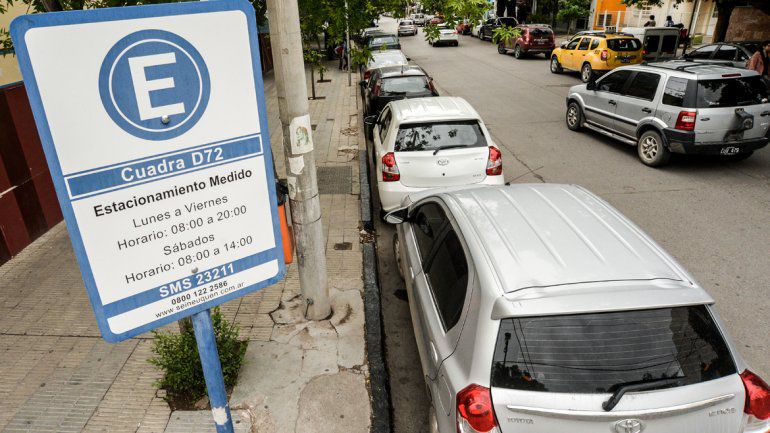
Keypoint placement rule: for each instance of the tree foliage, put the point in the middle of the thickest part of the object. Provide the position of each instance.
(505, 33)
(570, 10)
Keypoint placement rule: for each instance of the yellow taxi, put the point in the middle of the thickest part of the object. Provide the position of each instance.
(594, 53)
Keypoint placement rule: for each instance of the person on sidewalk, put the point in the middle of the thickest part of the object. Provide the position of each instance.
(670, 22)
(650, 22)
(342, 52)
(760, 61)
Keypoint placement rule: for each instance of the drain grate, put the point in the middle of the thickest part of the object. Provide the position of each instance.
(335, 180)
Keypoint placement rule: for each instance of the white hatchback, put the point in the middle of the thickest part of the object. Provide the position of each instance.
(433, 142)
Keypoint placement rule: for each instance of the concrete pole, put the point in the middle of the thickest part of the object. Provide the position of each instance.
(291, 86)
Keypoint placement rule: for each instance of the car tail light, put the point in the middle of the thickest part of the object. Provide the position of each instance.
(686, 121)
(367, 74)
(494, 162)
(645, 52)
(605, 55)
(526, 36)
(389, 168)
(377, 88)
(757, 405)
(475, 413)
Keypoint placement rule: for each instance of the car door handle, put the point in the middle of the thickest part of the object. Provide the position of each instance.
(612, 102)
(705, 119)
(646, 110)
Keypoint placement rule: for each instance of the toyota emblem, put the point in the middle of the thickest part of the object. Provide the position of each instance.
(628, 426)
(442, 162)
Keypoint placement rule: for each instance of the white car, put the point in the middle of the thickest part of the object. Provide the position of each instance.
(446, 36)
(424, 143)
(476, 27)
(384, 58)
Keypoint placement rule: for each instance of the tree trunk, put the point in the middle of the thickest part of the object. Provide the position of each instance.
(724, 11)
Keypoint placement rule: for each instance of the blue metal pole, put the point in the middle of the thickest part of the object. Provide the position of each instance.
(212, 371)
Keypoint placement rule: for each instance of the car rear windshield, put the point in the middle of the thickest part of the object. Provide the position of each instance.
(624, 44)
(431, 136)
(383, 40)
(594, 353)
(731, 92)
(510, 22)
(404, 85)
(406, 23)
(539, 32)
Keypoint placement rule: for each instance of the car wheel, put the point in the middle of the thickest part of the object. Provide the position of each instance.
(586, 73)
(501, 48)
(517, 52)
(651, 150)
(397, 254)
(555, 66)
(574, 116)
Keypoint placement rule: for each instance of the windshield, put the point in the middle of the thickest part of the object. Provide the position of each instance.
(431, 136)
(383, 40)
(406, 23)
(731, 92)
(509, 21)
(389, 60)
(404, 85)
(592, 353)
(624, 44)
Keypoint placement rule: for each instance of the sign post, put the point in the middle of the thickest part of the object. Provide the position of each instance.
(153, 122)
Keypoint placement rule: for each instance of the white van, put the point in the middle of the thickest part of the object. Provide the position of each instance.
(660, 43)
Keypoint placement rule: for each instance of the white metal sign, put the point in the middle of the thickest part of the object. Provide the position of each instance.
(154, 125)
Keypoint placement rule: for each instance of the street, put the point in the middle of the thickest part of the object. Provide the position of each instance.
(710, 214)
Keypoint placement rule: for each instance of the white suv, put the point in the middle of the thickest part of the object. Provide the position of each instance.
(425, 143)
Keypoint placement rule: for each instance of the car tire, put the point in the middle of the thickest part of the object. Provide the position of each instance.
(586, 73)
(517, 52)
(651, 149)
(501, 48)
(457, 43)
(397, 255)
(556, 66)
(574, 116)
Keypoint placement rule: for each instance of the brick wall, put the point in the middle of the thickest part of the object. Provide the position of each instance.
(28, 203)
(749, 23)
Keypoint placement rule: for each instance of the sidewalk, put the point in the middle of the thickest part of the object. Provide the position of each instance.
(58, 375)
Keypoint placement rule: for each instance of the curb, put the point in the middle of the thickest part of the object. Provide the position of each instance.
(375, 345)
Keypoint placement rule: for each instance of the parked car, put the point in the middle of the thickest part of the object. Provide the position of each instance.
(384, 58)
(595, 53)
(728, 53)
(430, 142)
(675, 106)
(541, 308)
(395, 82)
(419, 19)
(407, 27)
(379, 41)
(446, 36)
(438, 19)
(476, 27)
(534, 39)
(463, 27)
(659, 43)
(489, 26)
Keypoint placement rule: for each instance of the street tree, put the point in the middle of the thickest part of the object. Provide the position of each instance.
(571, 10)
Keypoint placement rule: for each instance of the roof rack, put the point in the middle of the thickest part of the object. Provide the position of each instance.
(690, 64)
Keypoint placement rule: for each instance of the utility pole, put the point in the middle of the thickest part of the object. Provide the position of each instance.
(291, 86)
(347, 45)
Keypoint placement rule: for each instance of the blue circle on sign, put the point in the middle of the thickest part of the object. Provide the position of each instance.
(154, 84)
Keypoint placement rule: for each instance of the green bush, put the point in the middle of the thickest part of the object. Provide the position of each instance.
(177, 356)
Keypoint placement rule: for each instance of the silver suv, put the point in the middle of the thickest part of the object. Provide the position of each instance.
(542, 309)
(678, 106)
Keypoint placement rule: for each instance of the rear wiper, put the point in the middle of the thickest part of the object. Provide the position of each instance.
(640, 385)
(454, 146)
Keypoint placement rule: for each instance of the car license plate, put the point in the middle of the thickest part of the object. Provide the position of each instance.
(540, 41)
(730, 150)
(625, 60)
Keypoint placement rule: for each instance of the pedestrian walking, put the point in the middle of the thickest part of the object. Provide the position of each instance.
(650, 22)
(342, 52)
(670, 22)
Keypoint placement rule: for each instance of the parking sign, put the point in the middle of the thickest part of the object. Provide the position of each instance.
(154, 126)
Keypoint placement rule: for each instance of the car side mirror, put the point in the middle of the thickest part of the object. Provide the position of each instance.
(408, 59)
(370, 120)
(397, 216)
(362, 83)
(591, 85)
(563, 45)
